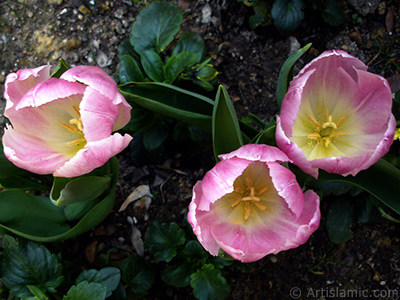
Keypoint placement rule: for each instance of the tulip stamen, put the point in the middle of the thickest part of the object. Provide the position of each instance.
(75, 126)
(248, 197)
(324, 132)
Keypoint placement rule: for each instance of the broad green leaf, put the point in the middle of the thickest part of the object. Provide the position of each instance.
(153, 66)
(171, 101)
(194, 251)
(126, 48)
(258, 19)
(156, 26)
(286, 74)
(177, 275)
(108, 277)
(7, 168)
(380, 180)
(333, 13)
(28, 263)
(20, 212)
(339, 219)
(163, 239)
(86, 290)
(129, 70)
(76, 211)
(191, 42)
(225, 125)
(155, 136)
(177, 64)
(86, 188)
(37, 293)
(61, 67)
(287, 14)
(209, 284)
(137, 274)
(267, 136)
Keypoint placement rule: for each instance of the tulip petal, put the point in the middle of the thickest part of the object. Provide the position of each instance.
(255, 152)
(19, 83)
(31, 153)
(94, 155)
(48, 91)
(98, 80)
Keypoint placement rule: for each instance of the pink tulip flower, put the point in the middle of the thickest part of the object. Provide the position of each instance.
(63, 126)
(249, 205)
(336, 116)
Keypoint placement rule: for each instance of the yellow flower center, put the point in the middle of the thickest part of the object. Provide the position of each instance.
(247, 197)
(325, 131)
(75, 126)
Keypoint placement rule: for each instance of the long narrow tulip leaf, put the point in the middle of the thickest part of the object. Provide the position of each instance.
(20, 212)
(286, 73)
(225, 125)
(380, 180)
(171, 101)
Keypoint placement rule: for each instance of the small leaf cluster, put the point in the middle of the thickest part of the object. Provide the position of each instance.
(187, 263)
(286, 15)
(31, 271)
(144, 59)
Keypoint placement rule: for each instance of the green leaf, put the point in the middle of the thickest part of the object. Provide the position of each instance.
(126, 48)
(20, 212)
(29, 264)
(138, 275)
(177, 64)
(287, 14)
(163, 239)
(61, 67)
(194, 251)
(155, 136)
(209, 284)
(380, 180)
(156, 26)
(153, 66)
(129, 70)
(225, 125)
(72, 190)
(37, 293)
(286, 74)
(339, 219)
(177, 275)
(333, 13)
(171, 101)
(108, 277)
(86, 290)
(191, 42)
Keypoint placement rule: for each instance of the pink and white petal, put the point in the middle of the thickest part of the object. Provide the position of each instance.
(308, 222)
(287, 187)
(94, 155)
(97, 79)
(31, 153)
(255, 152)
(48, 91)
(293, 151)
(124, 112)
(98, 115)
(373, 102)
(333, 59)
(19, 83)
(219, 180)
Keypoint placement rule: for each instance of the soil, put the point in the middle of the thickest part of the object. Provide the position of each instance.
(248, 61)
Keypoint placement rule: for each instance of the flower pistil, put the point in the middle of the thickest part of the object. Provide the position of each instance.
(75, 126)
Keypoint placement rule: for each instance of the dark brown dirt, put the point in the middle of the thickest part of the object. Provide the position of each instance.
(368, 266)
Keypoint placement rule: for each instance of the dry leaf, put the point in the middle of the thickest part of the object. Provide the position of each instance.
(140, 192)
(183, 4)
(390, 20)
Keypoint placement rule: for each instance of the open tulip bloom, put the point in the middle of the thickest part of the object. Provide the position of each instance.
(249, 205)
(336, 116)
(63, 126)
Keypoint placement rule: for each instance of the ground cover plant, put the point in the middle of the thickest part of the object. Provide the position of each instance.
(323, 158)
